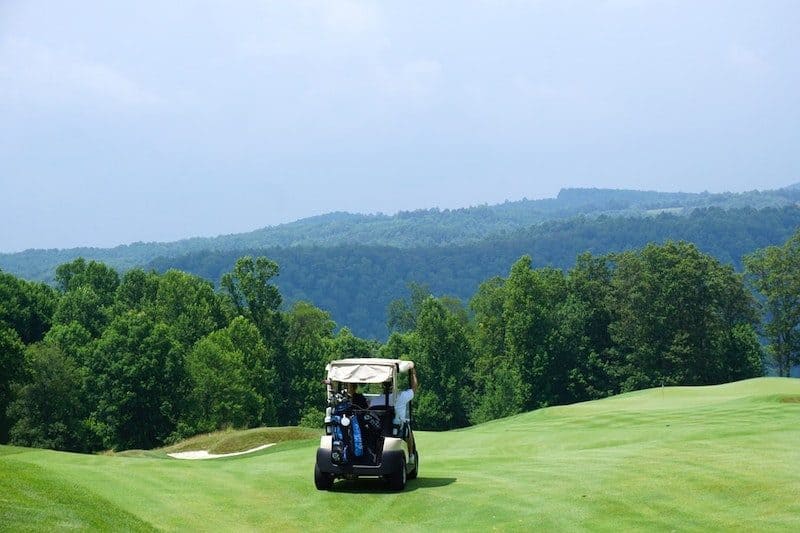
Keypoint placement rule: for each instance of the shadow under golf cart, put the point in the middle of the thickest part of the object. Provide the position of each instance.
(377, 485)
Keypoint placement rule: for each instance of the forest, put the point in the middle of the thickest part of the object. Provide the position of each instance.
(355, 283)
(109, 361)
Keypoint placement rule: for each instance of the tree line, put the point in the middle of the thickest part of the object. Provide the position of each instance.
(103, 361)
(107, 362)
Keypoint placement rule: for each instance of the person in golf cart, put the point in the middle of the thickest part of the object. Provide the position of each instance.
(401, 405)
(358, 399)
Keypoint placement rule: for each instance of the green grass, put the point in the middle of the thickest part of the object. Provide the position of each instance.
(686, 459)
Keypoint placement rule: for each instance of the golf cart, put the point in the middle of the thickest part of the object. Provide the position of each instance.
(366, 440)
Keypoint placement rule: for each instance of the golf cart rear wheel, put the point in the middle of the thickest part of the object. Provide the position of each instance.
(397, 480)
(413, 473)
(322, 480)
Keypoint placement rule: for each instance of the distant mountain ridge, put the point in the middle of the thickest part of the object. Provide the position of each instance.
(420, 228)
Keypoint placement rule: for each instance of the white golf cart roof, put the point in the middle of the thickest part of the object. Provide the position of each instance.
(366, 370)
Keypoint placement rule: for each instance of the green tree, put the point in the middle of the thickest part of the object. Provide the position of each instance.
(309, 343)
(89, 291)
(102, 279)
(49, 408)
(499, 390)
(261, 367)
(137, 290)
(597, 367)
(250, 289)
(499, 393)
(11, 360)
(400, 346)
(26, 307)
(345, 345)
(136, 382)
(742, 356)
(443, 361)
(775, 272)
(188, 305)
(252, 295)
(674, 307)
(82, 305)
(73, 340)
(530, 318)
(489, 334)
(229, 378)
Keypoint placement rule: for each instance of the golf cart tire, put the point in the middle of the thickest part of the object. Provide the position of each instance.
(397, 479)
(322, 480)
(413, 473)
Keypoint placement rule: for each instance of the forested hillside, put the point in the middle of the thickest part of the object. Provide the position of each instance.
(422, 228)
(103, 361)
(134, 361)
(357, 283)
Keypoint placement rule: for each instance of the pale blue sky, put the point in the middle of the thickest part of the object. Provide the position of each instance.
(144, 120)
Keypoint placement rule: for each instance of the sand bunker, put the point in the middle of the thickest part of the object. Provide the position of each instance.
(203, 454)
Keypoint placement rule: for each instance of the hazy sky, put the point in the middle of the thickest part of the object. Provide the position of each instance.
(128, 121)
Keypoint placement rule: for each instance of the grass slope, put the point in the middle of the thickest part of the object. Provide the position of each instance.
(703, 458)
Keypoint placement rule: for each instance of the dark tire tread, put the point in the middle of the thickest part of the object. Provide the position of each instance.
(322, 480)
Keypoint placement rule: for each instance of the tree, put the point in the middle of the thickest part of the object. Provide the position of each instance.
(188, 305)
(73, 340)
(231, 380)
(11, 358)
(102, 279)
(137, 290)
(82, 305)
(309, 343)
(261, 367)
(136, 382)
(345, 345)
(48, 409)
(251, 292)
(443, 359)
(400, 346)
(674, 309)
(499, 390)
(529, 315)
(26, 307)
(775, 272)
(489, 335)
(499, 393)
(742, 355)
(252, 295)
(597, 369)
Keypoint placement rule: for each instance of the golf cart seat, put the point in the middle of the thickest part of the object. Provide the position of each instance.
(386, 415)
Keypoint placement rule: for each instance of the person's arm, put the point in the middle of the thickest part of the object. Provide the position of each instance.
(413, 380)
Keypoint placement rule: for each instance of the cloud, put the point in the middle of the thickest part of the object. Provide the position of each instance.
(28, 69)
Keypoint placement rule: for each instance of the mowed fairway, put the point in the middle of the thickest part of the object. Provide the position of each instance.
(703, 458)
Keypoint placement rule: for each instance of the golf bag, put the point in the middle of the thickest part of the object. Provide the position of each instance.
(347, 444)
